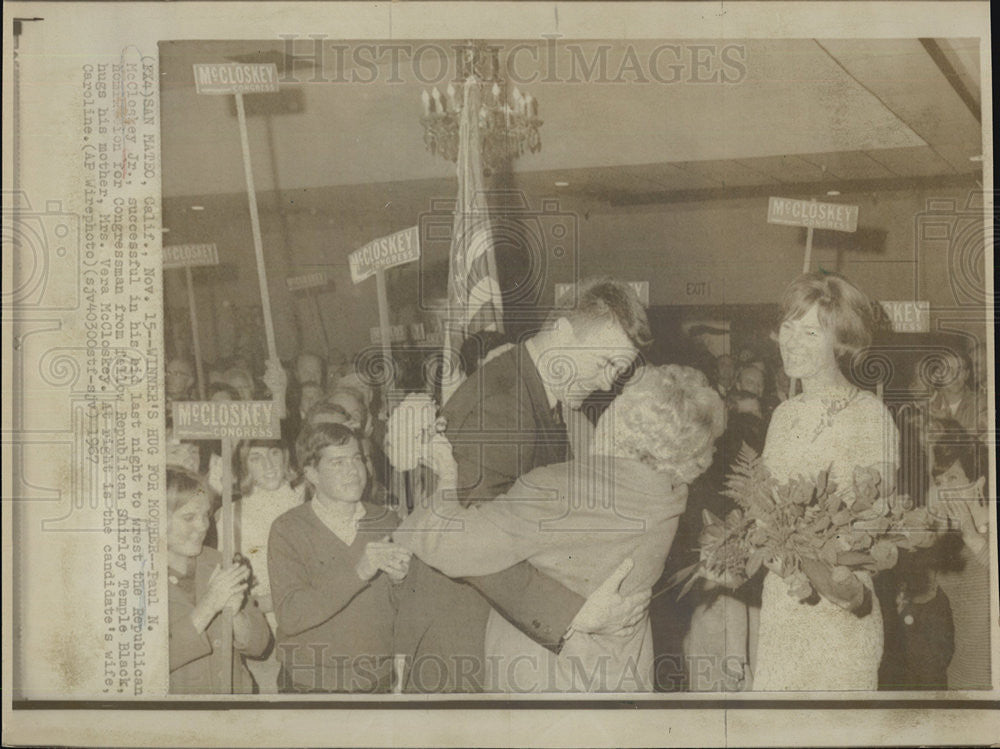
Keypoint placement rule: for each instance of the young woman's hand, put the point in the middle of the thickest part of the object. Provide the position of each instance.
(966, 509)
(226, 589)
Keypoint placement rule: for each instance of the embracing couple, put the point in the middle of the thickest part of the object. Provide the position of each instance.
(557, 553)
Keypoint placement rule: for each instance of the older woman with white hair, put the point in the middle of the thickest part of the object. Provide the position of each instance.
(576, 522)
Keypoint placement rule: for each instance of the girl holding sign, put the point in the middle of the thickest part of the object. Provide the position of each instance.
(265, 476)
(201, 588)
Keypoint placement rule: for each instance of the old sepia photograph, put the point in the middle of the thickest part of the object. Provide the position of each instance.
(565, 362)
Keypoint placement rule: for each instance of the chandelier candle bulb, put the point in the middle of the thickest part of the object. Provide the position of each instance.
(507, 116)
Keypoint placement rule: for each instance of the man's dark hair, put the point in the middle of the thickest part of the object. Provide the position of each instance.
(324, 408)
(314, 438)
(599, 299)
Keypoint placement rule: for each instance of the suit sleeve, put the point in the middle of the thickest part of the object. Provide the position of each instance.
(303, 601)
(489, 462)
(534, 603)
(477, 540)
(186, 643)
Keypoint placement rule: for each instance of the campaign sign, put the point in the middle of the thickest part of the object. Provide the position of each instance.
(235, 78)
(308, 281)
(400, 333)
(908, 316)
(809, 213)
(236, 420)
(386, 252)
(183, 255)
(641, 288)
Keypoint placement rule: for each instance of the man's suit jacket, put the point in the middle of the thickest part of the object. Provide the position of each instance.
(501, 427)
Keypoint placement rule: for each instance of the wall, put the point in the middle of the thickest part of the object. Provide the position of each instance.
(719, 252)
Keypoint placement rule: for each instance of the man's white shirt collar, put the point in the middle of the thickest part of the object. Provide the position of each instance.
(344, 527)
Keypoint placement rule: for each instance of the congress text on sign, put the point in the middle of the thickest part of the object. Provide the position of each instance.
(225, 419)
(908, 316)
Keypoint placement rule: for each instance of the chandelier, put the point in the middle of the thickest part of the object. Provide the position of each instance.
(508, 121)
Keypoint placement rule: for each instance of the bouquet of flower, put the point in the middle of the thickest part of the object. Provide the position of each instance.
(804, 531)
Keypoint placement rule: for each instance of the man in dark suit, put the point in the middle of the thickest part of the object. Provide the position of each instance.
(502, 422)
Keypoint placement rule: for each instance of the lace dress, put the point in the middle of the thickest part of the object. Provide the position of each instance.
(821, 646)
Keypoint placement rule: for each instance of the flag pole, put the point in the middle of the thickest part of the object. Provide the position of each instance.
(227, 544)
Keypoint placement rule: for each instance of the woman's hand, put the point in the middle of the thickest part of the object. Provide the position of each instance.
(838, 585)
(443, 462)
(226, 589)
(966, 509)
(607, 611)
(384, 555)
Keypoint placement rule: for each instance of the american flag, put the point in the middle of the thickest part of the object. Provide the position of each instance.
(474, 300)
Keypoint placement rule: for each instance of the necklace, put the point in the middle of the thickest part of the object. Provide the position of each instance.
(834, 401)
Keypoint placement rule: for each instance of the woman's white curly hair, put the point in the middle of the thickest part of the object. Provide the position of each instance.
(668, 418)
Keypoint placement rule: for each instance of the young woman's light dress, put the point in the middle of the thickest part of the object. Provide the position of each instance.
(821, 646)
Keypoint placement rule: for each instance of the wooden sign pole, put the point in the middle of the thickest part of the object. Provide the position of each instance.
(807, 260)
(258, 244)
(227, 548)
(385, 332)
(397, 485)
(229, 423)
(322, 322)
(199, 367)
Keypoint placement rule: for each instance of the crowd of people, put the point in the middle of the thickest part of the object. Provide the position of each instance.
(526, 555)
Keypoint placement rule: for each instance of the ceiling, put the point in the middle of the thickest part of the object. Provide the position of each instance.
(825, 114)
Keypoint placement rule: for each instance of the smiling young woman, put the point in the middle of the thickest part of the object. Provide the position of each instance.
(822, 644)
(201, 587)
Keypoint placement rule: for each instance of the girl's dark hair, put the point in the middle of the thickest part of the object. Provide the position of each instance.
(843, 308)
(242, 462)
(183, 486)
